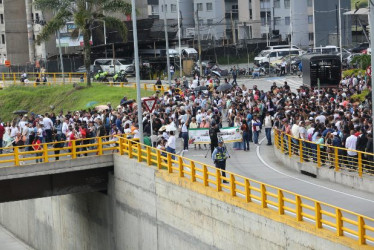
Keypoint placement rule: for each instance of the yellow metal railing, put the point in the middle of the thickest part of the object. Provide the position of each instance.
(52, 78)
(22, 155)
(292, 206)
(9, 79)
(324, 155)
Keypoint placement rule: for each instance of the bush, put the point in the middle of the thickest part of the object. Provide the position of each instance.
(360, 97)
(349, 72)
(363, 61)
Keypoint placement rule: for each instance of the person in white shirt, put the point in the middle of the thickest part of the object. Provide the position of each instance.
(171, 71)
(320, 118)
(184, 131)
(350, 143)
(48, 127)
(65, 128)
(170, 145)
(268, 125)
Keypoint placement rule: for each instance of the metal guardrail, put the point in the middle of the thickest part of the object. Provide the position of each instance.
(71, 77)
(22, 155)
(301, 208)
(325, 155)
(292, 206)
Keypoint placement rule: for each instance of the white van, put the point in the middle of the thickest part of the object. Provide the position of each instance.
(112, 66)
(273, 55)
(286, 46)
(330, 49)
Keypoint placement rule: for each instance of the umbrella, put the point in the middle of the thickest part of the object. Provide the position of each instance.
(224, 87)
(170, 128)
(216, 73)
(128, 102)
(200, 88)
(101, 107)
(163, 128)
(20, 112)
(91, 104)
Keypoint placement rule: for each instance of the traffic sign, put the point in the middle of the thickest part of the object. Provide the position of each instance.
(7, 63)
(368, 71)
(150, 103)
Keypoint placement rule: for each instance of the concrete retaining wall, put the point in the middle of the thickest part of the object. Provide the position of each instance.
(148, 209)
(351, 179)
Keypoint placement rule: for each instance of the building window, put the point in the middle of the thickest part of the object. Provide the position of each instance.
(287, 4)
(311, 36)
(209, 21)
(209, 6)
(164, 8)
(199, 7)
(277, 20)
(263, 18)
(3, 39)
(173, 8)
(235, 8)
(154, 10)
(287, 20)
(250, 14)
(277, 3)
(310, 3)
(1, 1)
(2, 18)
(310, 19)
(264, 4)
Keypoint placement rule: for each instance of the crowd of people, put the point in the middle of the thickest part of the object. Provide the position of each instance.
(327, 117)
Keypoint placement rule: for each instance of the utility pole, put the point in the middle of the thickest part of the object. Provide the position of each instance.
(340, 34)
(199, 42)
(232, 29)
(371, 23)
(30, 31)
(137, 71)
(106, 54)
(179, 42)
(167, 45)
(114, 58)
(267, 29)
(61, 59)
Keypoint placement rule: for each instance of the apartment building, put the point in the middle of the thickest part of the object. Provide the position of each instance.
(20, 23)
(168, 8)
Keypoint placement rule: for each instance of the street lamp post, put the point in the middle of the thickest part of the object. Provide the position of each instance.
(137, 73)
(371, 23)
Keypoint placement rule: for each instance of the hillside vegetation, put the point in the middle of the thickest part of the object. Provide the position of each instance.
(39, 100)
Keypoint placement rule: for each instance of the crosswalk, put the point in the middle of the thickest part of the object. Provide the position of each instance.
(293, 82)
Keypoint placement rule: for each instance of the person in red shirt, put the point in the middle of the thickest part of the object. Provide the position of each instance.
(36, 145)
(83, 131)
(2, 131)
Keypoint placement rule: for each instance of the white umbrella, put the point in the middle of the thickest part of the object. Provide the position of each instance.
(101, 107)
(170, 128)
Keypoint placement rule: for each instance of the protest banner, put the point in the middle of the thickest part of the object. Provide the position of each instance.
(201, 135)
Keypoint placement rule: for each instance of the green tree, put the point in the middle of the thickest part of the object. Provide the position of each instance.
(84, 13)
(363, 61)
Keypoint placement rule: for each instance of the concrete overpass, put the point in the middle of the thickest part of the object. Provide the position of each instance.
(168, 198)
(88, 174)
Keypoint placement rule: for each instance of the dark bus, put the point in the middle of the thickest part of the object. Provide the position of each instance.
(326, 68)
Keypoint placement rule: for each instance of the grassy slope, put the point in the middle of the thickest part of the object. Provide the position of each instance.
(363, 3)
(38, 100)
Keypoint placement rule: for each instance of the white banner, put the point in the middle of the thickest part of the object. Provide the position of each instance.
(201, 135)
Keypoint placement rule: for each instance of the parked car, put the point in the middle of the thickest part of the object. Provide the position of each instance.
(359, 48)
(93, 69)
